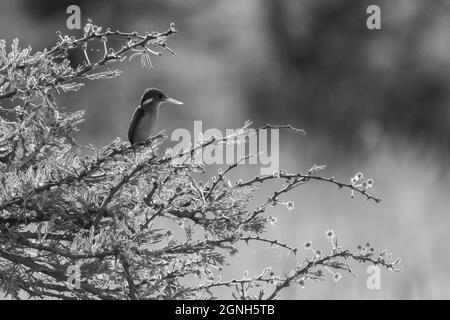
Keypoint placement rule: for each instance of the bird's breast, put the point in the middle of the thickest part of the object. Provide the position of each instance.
(146, 125)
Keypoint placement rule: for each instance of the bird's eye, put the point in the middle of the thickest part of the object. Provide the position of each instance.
(161, 96)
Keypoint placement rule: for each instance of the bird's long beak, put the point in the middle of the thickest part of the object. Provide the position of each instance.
(172, 101)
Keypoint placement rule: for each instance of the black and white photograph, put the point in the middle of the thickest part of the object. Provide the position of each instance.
(224, 155)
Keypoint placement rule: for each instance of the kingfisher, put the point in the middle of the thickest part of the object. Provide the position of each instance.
(145, 118)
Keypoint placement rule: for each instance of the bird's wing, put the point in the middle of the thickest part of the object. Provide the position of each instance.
(133, 124)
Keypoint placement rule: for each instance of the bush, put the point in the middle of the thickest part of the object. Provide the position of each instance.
(78, 222)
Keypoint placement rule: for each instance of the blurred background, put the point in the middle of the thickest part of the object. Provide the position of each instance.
(375, 101)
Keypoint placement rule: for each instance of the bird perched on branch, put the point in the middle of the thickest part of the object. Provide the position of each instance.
(145, 117)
